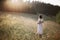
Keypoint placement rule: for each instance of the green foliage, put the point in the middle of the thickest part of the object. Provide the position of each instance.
(58, 17)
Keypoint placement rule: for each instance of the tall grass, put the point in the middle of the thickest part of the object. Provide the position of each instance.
(23, 27)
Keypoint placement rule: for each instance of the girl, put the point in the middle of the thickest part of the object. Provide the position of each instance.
(40, 28)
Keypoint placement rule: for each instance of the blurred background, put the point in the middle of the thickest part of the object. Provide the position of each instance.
(18, 19)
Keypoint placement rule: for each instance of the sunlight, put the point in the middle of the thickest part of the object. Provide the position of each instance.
(28, 0)
(24, 0)
(14, 5)
(14, 1)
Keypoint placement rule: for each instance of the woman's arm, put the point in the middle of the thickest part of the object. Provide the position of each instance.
(40, 21)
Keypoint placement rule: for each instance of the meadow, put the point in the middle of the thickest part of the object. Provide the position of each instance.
(23, 26)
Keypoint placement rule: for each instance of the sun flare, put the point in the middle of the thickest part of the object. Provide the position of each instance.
(15, 5)
(14, 1)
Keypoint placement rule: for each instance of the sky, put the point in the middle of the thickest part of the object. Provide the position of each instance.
(53, 2)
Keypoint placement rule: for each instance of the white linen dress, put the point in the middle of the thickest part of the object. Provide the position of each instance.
(40, 26)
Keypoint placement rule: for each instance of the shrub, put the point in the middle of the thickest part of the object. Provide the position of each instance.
(58, 18)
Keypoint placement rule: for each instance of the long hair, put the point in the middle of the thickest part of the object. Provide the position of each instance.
(40, 16)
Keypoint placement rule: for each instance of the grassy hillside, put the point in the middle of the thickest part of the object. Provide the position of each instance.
(23, 27)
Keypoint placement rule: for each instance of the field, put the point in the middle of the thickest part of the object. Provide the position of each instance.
(23, 26)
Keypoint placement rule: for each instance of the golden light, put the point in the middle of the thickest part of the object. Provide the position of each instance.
(14, 5)
(25, 0)
(14, 1)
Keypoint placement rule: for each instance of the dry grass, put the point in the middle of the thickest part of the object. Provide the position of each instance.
(23, 27)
